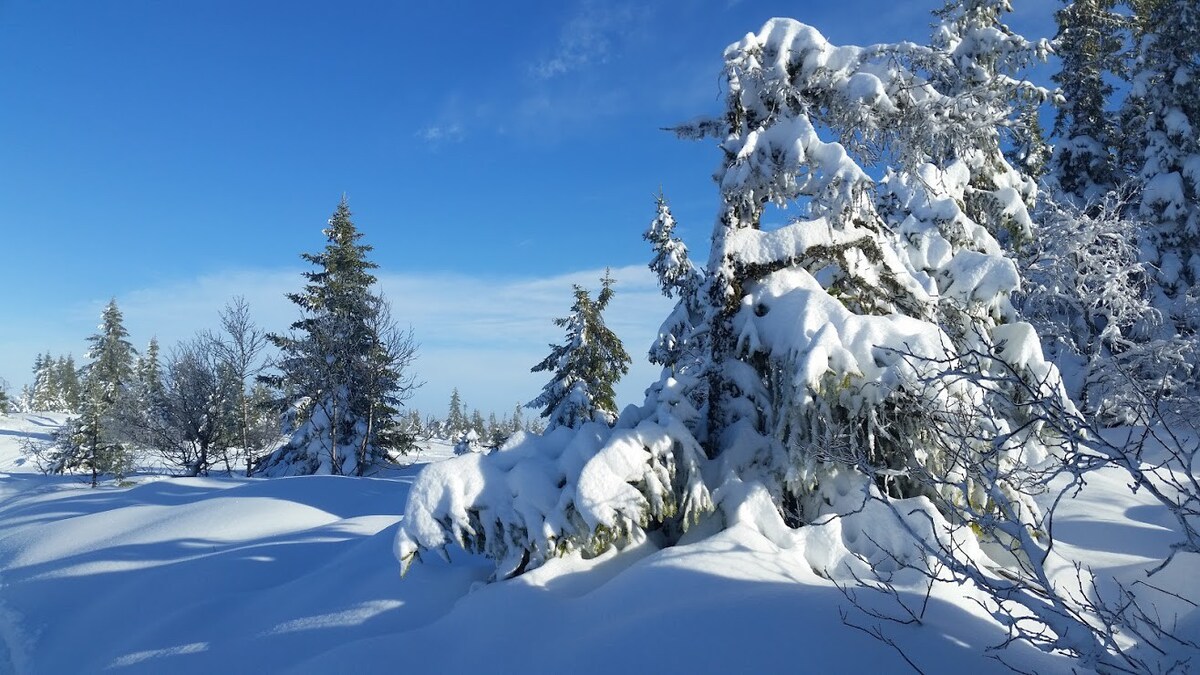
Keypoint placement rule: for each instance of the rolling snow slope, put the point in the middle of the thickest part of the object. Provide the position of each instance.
(296, 575)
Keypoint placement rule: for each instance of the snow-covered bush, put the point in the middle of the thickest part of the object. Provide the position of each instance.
(468, 442)
(1029, 583)
(1088, 291)
(569, 490)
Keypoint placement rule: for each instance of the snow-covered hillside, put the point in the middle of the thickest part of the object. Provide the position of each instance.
(205, 575)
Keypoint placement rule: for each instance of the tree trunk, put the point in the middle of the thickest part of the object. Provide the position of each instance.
(362, 451)
(335, 467)
(95, 460)
(202, 460)
(246, 434)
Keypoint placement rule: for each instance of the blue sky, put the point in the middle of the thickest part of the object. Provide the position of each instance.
(173, 154)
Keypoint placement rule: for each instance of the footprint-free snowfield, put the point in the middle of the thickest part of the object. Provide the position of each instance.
(202, 575)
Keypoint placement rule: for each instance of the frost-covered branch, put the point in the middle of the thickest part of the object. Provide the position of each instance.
(1023, 577)
(1088, 291)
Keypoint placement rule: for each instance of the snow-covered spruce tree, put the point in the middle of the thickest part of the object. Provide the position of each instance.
(870, 269)
(147, 381)
(517, 421)
(343, 368)
(477, 424)
(55, 386)
(456, 418)
(468, 442)
(585, 367)
(42, 394)
(1090, 47)
(812, 334)
(678, 278)
(70, 389)
(1163, 151)
(94, 442)
(680, 348)
(497, 431)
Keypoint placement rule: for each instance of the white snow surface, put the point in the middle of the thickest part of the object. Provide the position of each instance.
(205, 575)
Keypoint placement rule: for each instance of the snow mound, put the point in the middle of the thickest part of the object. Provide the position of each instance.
(544, 496)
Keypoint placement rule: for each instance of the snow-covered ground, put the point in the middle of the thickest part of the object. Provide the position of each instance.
(207, 575)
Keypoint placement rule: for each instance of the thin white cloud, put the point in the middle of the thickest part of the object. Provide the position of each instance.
(479, 333)
(560, 93)
(451, 132)
(588, 37)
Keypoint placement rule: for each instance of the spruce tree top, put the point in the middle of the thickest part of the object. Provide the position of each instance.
(110, 351)
(676, 273)
(337, 285)
(586, 367)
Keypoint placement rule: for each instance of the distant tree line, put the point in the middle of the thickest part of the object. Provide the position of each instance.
(470, 431)
(194, 409)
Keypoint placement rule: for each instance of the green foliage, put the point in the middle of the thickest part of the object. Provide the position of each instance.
(586, 367)
(342, 370)
(456, 420)
(55, 387)
(1089, 45)
(93, 442)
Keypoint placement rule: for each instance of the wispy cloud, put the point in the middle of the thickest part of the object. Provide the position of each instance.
(449, 132)
(478, 333)
(561, 92)
(589, 36)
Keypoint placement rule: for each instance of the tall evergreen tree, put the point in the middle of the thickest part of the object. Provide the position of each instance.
(456, 418)
(112, 356)
(342, 373)
(678, 278)
(43, 393)
(1090, 48)
(477, 424)
(147, 384)
(517, 421)
(95, 441)
(586, 367)
(70, 389)
(1163, 112)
